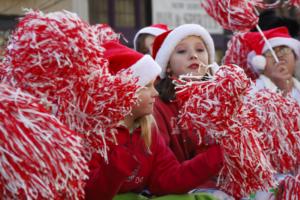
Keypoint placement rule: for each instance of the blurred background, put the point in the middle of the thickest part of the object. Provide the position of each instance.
(128, 16)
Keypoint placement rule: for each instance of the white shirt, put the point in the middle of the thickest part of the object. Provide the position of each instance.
(264, 82)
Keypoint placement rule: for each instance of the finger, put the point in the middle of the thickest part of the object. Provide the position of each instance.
(281, 68)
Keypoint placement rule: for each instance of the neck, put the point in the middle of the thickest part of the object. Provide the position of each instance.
(129, 121)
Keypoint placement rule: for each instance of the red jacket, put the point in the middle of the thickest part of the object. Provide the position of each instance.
(182, 142)
(132, 168)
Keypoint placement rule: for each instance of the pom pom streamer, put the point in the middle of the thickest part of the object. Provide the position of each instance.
(260, 133)
(237, 52)
(210, 110)
(105, 33)
(2, 71)
(234, 15)
(279, 125)
(40, 157)
(58, 58)
(290, 188)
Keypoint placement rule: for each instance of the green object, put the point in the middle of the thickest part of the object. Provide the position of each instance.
(274, 191)
(194, 196)
(130, 196)
(252, 196)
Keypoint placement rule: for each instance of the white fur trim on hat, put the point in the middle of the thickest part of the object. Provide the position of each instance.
(257, 63)
(175, 36)
(275, 42)
(290, 42)
(279, 41)
(146, 69)
(147, 30)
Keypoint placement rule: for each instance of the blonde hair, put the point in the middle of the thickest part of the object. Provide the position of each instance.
(147, 122)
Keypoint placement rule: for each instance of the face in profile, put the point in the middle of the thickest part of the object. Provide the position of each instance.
(190, 56)
(145, 44)
(146, 99)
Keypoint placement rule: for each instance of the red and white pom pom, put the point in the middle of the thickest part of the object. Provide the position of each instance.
(279, 128)
(259, 133)
(237, 53)
(40, 157)
(289, 188)
(59, 58)
(234, 15)
(215, 109)
(2, 72)
(105, 33)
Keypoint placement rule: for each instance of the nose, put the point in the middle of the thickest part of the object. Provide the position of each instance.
(193, 55)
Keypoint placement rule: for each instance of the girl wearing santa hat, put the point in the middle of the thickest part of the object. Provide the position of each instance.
(187, 49)
(276, 74)
(139, 158)
(279, 72)
(144, 38)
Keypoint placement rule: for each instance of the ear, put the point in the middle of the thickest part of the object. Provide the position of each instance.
(168, 69)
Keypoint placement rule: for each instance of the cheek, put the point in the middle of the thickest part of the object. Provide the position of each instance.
(292, 65)
(269, 63)
(178, 63)
(204, 58)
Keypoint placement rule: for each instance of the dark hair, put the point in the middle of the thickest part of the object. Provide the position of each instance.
(166, 89)
(268, 20)
(140, 43)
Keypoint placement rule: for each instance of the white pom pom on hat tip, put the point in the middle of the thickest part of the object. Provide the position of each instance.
(259, 62)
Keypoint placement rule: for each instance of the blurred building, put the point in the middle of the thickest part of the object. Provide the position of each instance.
(11, 10)
(128, 16)
(125, 16)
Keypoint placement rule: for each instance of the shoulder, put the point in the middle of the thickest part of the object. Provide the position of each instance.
(264, 82)
(159, 102)
(162, 105)
(297, 84)
(156, 138)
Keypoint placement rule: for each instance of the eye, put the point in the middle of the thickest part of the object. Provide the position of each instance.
(181, 51)
(268, 54)
(200, 50)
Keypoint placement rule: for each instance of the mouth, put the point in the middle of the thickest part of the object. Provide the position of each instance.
(194, 66)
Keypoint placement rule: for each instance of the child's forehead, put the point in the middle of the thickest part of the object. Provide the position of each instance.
(193, 38)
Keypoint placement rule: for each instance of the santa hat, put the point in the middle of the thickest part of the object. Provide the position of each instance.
(165, 43)
(121, 57)
(155, 30)
(276, 37)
